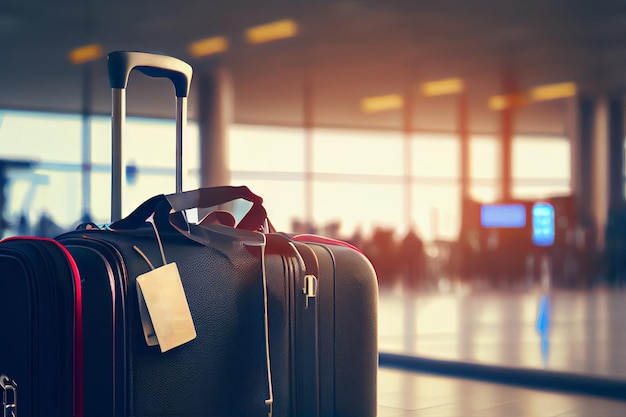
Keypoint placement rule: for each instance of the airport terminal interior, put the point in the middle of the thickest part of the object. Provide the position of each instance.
(473, 151)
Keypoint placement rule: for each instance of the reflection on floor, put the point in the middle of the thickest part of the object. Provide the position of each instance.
(402, 394)
(565, 331)
(561, 330)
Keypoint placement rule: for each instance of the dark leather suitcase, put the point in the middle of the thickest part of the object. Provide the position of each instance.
(281, 325)
(41, 344)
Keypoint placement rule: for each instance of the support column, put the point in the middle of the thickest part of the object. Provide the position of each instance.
(407, 129)
(616, 153)
(464, 157)
(580, 131)
(215, 115)
(600, 170)
(308, 120)
(510, 90)
(506, 141)
(608, 186)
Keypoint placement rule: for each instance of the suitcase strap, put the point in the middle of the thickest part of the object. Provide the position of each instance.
(270, 400)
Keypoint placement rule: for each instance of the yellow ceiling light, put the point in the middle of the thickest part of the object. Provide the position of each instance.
(508, 101)
(553, 91)
(382, 103)
(274, 31)
(209, 46)
(443, 87)
(85, 54)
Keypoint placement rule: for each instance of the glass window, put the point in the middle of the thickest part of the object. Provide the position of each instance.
(40, 136)
(263, 148)
(43, 193)
(540, 191)
(436, 210)
(101, 140)
(484, 193)
(541, 157)
(435, 156)
(358, 206)
(51, 140)
(357, 152)
(484, 168)
(100, 197)
(150, 147)
(484, 157)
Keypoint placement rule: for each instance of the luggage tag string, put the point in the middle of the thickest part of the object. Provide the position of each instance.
(156, 232)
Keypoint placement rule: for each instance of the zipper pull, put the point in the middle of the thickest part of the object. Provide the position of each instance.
(310, 288)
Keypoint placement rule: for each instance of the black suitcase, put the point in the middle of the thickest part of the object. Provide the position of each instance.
(321, 339)
(41, 345)
(269, 335)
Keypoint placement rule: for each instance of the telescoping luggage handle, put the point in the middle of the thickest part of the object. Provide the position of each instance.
(120, 64)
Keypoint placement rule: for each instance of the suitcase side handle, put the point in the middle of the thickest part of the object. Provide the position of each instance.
(121, 63)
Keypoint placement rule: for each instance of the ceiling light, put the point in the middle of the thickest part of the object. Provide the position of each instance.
(553, 91)
(269, 32)
(508, 101)
(209, 46)
(442, 87)
(382, 103)
(85, 54)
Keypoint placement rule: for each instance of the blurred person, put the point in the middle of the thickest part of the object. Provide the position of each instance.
(357, 239)
(381, 250)
(411, 260)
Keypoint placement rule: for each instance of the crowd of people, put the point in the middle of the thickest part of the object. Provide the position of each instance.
(485, 260)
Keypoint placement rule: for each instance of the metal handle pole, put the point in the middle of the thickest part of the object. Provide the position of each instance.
(118, 119)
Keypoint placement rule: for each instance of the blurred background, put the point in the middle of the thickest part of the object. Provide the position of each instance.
(472, 150)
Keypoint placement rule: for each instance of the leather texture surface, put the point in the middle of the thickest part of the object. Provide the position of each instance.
(220, 373)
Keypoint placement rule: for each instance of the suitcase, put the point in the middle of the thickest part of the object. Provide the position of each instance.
(280, 326)
(41, 347)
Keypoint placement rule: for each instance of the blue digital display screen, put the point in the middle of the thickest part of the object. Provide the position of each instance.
(503, 215)
(543, 224)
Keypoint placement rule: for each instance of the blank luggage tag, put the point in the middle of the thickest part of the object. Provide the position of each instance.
(163, 306)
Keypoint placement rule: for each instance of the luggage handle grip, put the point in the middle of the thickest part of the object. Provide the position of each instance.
(208, 197)
(253, 220)
(121, 63)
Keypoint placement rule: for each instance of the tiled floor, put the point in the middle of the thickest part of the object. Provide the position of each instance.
(581, 332)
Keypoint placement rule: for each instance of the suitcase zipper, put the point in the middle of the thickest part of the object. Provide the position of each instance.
(9, 396)
(309, 286)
